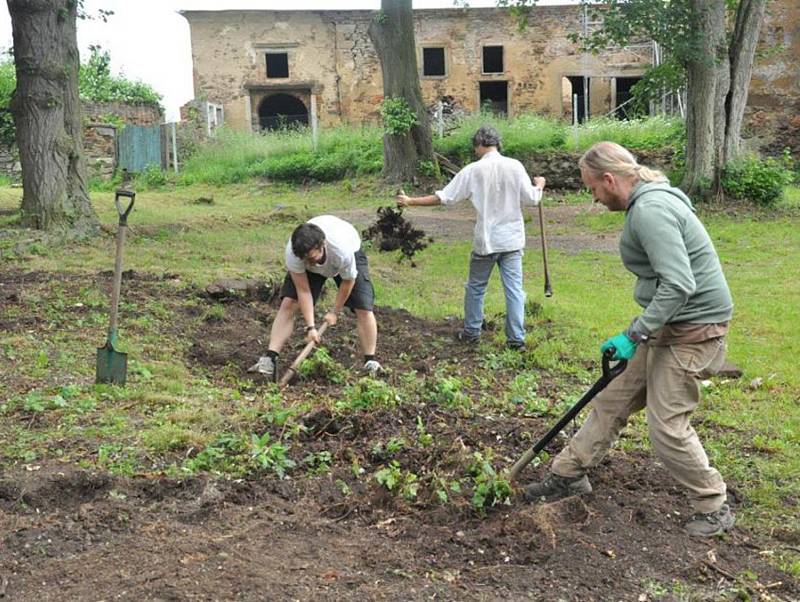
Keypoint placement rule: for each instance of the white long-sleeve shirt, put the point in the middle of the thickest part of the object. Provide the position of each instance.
(498, 187)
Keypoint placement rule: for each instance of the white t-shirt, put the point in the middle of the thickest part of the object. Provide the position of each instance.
(497, 186)
(341, 243)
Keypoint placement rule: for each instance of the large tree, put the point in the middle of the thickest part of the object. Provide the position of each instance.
(47, 114)
(392, 33)
(710, 47)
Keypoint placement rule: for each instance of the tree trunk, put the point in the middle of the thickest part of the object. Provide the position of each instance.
(717, 85)
(47, 114)
(749, 18)
(706, 88)
(392, 34)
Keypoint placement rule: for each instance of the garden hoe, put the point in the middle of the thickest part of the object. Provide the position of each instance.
(609, 374)
(112, 365)
(292, 370)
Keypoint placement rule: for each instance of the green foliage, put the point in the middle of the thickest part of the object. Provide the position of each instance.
(222, 456)
(322, 365)
(759, 181)
(8, 83)
(152, 177)
(398, 117)
(445, 390)
(398, 481)
(269, 456)
(368, 393)
(286, 156)
(639, 134)
(319, 462)
(96, 83)
(489, 489)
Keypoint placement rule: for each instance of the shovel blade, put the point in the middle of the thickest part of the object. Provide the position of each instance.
(112, 366)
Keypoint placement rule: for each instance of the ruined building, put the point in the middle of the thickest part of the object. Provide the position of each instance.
(265, 68)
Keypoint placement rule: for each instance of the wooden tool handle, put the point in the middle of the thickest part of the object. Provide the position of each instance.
(292, 370)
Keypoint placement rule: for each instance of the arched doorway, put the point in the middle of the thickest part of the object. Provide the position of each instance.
(281, 110)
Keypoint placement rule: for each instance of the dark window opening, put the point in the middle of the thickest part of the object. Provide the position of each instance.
(494, 97)
(280, 111)
(433, 61)
(625, 106)
(580, 91)
(278, 65)
(493, 59)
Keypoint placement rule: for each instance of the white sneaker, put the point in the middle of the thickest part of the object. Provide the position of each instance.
(372, 367)
(265, 366)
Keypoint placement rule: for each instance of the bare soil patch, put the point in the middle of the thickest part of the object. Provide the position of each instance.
(68, 534)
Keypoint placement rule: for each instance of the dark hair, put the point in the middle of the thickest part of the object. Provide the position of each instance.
(486, 136)
(306, 237)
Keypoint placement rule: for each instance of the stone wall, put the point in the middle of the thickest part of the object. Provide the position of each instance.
(562, 172)
(100, 120)
(118, 112)
(772, 120)
(333, 65)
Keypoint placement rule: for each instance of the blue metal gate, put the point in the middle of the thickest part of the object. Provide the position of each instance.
(139, 147)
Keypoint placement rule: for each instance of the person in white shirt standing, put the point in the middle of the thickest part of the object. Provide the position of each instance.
(324, 247)
(498, 186)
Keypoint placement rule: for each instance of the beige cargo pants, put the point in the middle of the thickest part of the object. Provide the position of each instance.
(664, 381)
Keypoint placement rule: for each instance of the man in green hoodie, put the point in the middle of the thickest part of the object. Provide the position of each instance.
(678, 338)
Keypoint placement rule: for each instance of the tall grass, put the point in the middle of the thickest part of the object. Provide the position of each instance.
(289, 156)
(286, 156)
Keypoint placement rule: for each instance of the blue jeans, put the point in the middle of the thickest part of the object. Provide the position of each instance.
(480, 269)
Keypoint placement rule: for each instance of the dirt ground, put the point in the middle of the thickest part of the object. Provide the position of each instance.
(68, 534)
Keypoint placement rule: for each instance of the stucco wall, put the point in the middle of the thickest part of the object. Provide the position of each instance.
(331, 57)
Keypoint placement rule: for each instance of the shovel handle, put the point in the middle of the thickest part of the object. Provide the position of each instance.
(123, 213)
(292, 370)
(609, 374)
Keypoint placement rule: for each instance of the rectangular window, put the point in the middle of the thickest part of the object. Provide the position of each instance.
(277, 64)
(433, 62)
(493, 59)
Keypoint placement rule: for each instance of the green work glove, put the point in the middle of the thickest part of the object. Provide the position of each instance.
(624, 345)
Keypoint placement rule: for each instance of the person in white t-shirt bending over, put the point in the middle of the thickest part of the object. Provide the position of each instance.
(324, 247)
(498, 187)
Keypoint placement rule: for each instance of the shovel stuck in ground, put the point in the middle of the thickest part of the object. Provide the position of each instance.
(609, 374)
(292, 370)
(112, 365)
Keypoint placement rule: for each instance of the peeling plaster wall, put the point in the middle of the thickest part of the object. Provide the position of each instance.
(331, 55)
(772, 118)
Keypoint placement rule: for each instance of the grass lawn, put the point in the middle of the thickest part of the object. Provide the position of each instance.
(195, 235)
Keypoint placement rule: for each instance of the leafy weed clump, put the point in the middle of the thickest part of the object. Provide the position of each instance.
(368, 393)
(488, 488)
(322, 365)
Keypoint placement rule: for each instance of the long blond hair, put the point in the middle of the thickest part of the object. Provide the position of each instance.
(610, 157)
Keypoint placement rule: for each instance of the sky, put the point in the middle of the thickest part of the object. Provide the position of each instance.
(149, 41)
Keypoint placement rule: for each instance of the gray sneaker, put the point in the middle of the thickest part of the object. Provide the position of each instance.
(555, 487)
(372, 367)
(264, 366)
(711, 523)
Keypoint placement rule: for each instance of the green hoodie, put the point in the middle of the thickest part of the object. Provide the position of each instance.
(679, 277)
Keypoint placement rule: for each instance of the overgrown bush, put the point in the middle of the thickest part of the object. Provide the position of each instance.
(759, 181)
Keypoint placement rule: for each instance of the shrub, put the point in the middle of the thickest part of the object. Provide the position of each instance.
(398, 118)
(756, 180)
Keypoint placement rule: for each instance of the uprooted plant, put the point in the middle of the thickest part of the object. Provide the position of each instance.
(392, 232)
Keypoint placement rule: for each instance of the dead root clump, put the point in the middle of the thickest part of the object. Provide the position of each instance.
(392, 232)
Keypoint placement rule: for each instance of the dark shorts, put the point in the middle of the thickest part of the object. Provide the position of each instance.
(362, 296)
